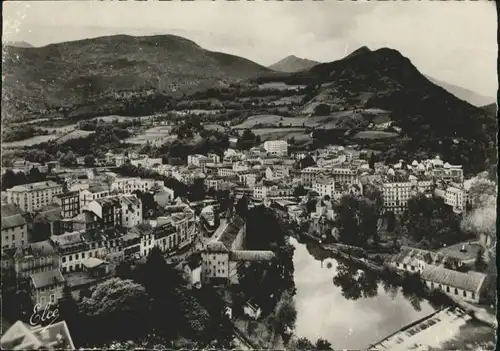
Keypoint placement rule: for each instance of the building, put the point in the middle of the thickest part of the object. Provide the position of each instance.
(131, 210)
(466, 286)
(47, 222)
(129, 185)
(69, 203)
(30, 197)
(46, 287)
(308, 175)
(147, 162)
(225, 252)
(397, 193)
(344, 175)
(276, 172)
(14, 227)
(248, 178)
(22, 336)
(74, 248)
(93, 192)
(324, 186)
(412, 260)
(166, 238)
(198, 160)
(34, 258)
(226, 172)
(192, 270)
(163, 196)
(108, 211)
(265, 191)
(276, 147)
(456, 197)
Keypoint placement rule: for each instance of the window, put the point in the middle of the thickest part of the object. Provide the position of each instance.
(63, 259)
(473, 295)
(465, 293)
(70, 258)
(447, 289)
(52, 298)
(456, 291)
(42, 300)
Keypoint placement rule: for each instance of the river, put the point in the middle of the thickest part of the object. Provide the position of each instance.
(355, 311)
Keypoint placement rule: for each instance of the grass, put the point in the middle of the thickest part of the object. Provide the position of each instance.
(454, 251)
(280, 86)
(282, 134)
(30, 141)
(156, 135)
(76, 134)
(374, 135)
(471, 336)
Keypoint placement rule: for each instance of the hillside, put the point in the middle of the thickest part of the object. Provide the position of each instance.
(464, 94)
(18, 44)
(432, 120)
(79, 72)
(491, 109)
(291, 64)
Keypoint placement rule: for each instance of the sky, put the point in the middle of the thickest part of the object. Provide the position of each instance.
(452, 41)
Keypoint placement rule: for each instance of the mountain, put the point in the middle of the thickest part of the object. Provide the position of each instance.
(79, 72)
(464, 94)
(491, 109)
(432, 119)
(292, 64)
(18, 44)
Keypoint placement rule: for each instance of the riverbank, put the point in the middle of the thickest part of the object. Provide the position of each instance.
(479, 313)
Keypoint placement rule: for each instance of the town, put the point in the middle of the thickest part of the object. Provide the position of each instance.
(79, 234)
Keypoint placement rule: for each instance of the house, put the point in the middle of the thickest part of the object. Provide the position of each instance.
(14, 227)
(129, 185)
(163, 196)
(275, 172)
(69, 202)
(22, 336)
(309, 174)
(108, 211)
(166, 237)
(412, 260)
(34, 258)
(46, 287)
(95, 191)
(74, 248)
(131, 244)
(131, 208)
(466, 286)
(30, 197)
(47, 222)
(192, 269)
(324, 186)
(225, 252)
(95, 267)
(276, 147)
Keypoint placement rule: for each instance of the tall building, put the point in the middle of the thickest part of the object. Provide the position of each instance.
(14, 227)
(31, 197)
(276, 147)
(324, 186)
(69, 203)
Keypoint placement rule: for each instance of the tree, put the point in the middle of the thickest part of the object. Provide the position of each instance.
(322, 110)
(356, 220)
(123, 270)
(299, 191)
(302, 344)
(391, 221)
(241, 207)
(307, 161)
(372, 160)
(35, 176)
(286, 314)
(89, 161)
(480, 264)
(323, 345)
(68, 308)
(68, 159)
(118, 309)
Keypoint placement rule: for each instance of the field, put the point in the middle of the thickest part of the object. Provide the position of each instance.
(374, 135)
(76, 134)
(280, 86)
(30, 141)
(298, 134)
(156, 135)
(215, 127)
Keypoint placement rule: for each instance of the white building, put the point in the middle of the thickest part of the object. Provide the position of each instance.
(93, 192)
(131, 210)
(308, 175)
(129, 185)
(262, 191)
(277, 172)
(276, 147)
(324, 186)
(31, 197)
(397, 194)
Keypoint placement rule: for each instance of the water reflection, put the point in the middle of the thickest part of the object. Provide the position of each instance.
(349, 307)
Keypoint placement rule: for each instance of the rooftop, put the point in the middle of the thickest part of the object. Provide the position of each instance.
(470, 281)
(231, 231)
(35, 186)
(42, 279)
(243, 255)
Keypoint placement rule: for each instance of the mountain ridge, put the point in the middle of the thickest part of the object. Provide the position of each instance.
(74, 72)
(462, 93)
(292, 63)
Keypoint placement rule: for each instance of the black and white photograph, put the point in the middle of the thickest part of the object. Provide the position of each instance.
(249, 175)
